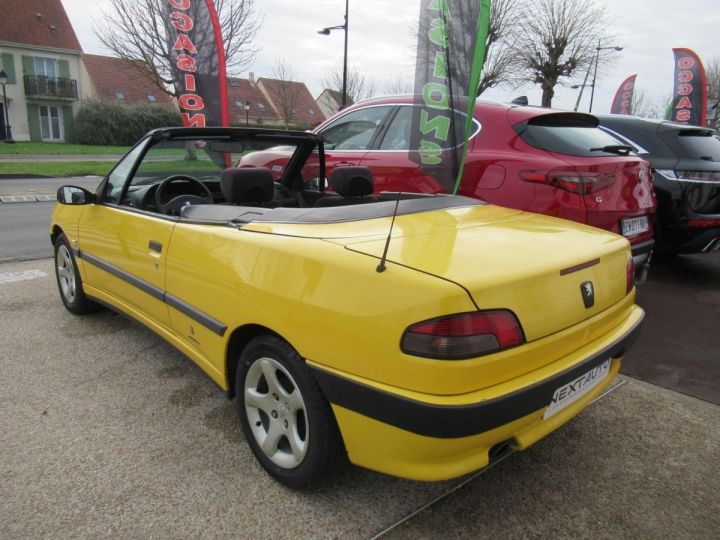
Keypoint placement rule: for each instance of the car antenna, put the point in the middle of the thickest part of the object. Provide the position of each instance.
(381, 267)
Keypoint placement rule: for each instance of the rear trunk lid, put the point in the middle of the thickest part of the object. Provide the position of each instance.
(534, 265)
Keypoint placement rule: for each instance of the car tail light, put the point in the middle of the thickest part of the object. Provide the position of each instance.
(629, 276)
(704, 223)
(464, 335)
(572, 181)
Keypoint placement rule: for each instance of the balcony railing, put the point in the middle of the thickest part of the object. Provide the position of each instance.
(40, 86)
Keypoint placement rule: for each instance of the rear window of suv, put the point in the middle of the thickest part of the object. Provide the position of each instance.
(574, 135)
(699, 145)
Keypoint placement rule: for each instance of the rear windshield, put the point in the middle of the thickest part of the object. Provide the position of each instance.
(570, 140)
(699, 145)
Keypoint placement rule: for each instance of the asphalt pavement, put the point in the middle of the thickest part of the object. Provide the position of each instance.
(106, 431)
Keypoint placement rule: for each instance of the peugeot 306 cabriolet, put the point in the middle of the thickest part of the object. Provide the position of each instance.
(413, 335)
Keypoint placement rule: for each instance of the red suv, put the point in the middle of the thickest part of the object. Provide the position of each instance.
(541, 160)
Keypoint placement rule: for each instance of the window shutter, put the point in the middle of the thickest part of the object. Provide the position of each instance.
(28, 65)
(34, 122)
(63, 69)
(8, 64)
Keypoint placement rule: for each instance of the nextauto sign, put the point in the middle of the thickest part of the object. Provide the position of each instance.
(197, 56)
(683, 108)
(690, 90)
(190, 100)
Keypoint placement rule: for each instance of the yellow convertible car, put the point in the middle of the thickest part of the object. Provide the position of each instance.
(413, 335)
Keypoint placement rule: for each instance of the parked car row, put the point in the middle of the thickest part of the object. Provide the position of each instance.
(420, 336)
(571, 165)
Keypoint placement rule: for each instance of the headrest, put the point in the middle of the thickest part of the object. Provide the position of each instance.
(352, 181)
(249, 185)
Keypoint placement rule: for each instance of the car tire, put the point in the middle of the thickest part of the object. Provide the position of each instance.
(286, 419)
(68, 280)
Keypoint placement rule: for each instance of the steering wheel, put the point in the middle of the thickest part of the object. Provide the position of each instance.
(174, 205)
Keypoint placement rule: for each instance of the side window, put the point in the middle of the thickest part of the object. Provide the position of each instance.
(355, 130)
(398, 135)
(118, 176)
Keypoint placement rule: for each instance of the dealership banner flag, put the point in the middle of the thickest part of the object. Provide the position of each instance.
(197, 53)
(622, 102)
(689, 103)
(452, 38)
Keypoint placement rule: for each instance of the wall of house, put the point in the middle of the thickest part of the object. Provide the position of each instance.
(24, 112)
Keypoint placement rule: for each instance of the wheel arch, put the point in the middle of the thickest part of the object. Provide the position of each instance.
(238, 340)
(56, 231)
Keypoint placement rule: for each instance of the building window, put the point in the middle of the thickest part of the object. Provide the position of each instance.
(152, 98)
(311, 112)
(50, 123)
(120, 95)
(261, 105)
(45, 67)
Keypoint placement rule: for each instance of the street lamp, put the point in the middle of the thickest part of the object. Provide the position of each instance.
(326, 32)
(247, 113)
(582, 88)
(8, 131)
(597, 60)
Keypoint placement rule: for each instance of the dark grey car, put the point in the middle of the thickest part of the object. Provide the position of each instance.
(686, 172)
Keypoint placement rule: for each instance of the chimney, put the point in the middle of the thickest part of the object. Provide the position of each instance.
(251, 78)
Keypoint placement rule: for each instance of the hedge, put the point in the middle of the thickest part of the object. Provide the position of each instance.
(101, 123)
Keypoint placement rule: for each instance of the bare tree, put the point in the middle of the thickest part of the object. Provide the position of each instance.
(285, 91)
(644, 106)
(500, 58)
(359, 87)
(558, 39)
(397, 86)
(136, 31)
(712, 70)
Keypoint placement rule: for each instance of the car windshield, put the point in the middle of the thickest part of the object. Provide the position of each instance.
(699, 145)
(583, 141)
(204, 158)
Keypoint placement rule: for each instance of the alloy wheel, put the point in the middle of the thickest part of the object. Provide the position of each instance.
(276, 413)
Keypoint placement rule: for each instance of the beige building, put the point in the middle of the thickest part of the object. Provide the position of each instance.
(40, 54)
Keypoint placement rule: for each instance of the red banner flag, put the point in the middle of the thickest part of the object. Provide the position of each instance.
(689, 105)
(198, 55)
(622, 102)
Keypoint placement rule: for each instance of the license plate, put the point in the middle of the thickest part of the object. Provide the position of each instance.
(574, 390)
(635, 225)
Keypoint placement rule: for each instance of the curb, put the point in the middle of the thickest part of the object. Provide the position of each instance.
(9, 199)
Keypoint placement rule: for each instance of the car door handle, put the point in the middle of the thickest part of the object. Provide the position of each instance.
(155, 246)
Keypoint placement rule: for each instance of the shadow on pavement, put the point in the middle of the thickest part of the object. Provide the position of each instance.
(679, 347)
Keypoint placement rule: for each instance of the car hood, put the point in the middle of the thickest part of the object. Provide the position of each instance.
(503, 258)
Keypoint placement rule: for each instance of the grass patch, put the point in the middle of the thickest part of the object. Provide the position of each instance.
(101, 168)
(29, 148)
(65, 168)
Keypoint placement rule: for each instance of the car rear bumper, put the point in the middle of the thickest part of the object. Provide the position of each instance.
(690, 240)
(439, 438)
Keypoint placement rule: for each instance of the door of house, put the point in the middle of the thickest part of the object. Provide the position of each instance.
(51, 123)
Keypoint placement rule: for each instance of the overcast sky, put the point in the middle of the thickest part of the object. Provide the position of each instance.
(381, 44)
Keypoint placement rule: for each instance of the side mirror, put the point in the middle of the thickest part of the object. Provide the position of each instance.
(74, 195)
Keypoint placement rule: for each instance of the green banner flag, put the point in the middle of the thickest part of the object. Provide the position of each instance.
(451, 53)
